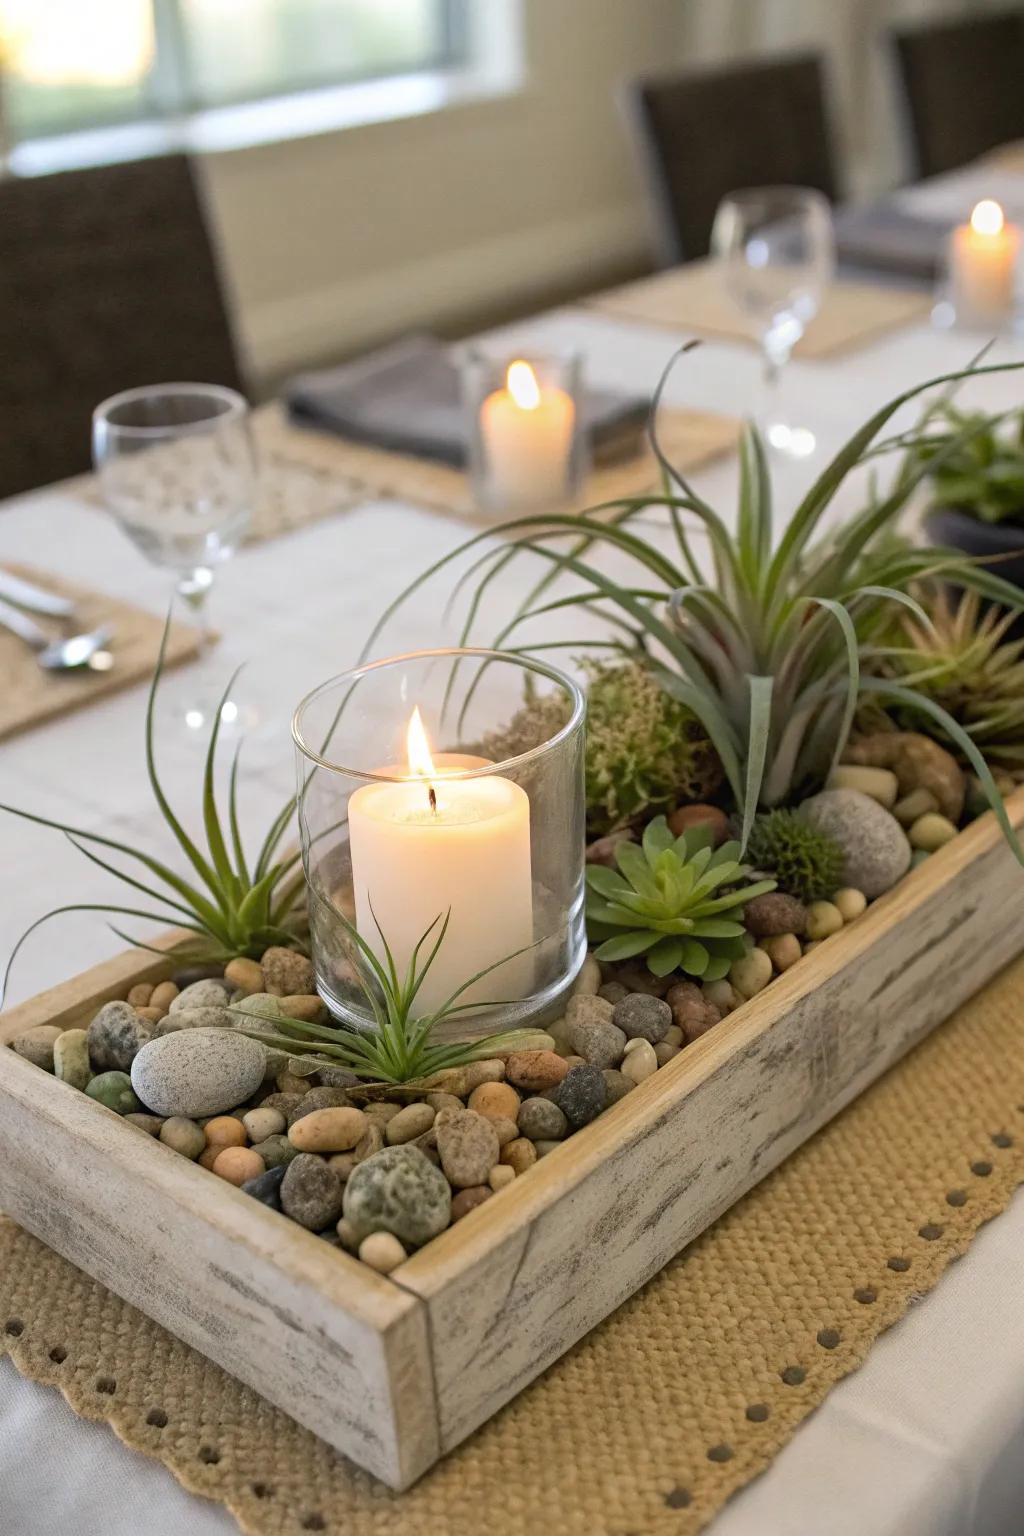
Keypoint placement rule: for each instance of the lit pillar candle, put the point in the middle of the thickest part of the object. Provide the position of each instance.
(527, 434)
(428, 842)
(983, 266)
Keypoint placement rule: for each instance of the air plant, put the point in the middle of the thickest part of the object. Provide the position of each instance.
(401, 1049)
(234, 905)
(772, 650)
(805, 862)
(678, 901)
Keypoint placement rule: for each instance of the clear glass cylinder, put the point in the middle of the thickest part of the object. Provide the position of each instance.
(527, 450)
(446, 785)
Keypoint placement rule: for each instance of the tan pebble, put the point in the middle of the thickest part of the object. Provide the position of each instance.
(823, 919)
(688, 816)
(150, 1014)
(440, 1101)
(382, 1251)
(722, 994)
(410, 1122)
(931, 832)
(343, 1164)
(238, 1164)
(308, 1008)
(329, 1130)
(673, 1035)
(519, 1154)
(451, 1080)
(468, 1199)
(631, 1045)
(572, 1060)
(209, 1157)
(505, 1129)
(641, 1062)
(664, 1052)
(495, 1100)
(261, 1123)
(501, 1175)
(371, 1141)
(36, 1045)
(617, 1085)
(490, 1071)
(879, 784)
(288, 1082)
(782, 949)
(140, 994)
(918, 803)
(382, 1113)
(163, 995)
(448, 1114)
(347, 1236)
(183, 1136)
(525, 1040)
(224, 1131)
(750, 974)
(543, 1148)
(244, 975)
(589, 978)
(533, 1071)
(151, 1124)
(851, 903)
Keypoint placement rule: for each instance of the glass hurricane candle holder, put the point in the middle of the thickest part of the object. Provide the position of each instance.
(527, 449)
(446, 782)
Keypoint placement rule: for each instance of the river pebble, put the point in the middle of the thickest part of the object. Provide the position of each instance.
(197, 1072)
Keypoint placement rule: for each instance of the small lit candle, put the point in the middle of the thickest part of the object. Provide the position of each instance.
(983, 266)
(527, 434)
(426, 842)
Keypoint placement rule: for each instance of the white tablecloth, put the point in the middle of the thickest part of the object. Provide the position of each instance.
(927, 1439)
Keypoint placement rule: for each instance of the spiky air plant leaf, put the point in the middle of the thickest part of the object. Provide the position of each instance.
(401, 1049)
(675, 900)
(232, 905)
(773, 647)
(968, 663)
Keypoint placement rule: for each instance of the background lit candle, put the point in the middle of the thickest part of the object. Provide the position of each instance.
(428, 842)
(527, 434)
(983, 266)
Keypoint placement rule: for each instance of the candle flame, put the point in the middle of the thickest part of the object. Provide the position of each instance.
(987, 218)
(421, 764)
(523, 386)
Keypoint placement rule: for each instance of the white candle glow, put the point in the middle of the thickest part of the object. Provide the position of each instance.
(527, 433)
(983, 266)
(428, 842)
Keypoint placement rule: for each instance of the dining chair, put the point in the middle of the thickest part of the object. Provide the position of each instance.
(705, 133)
(962, 87)
(108, 279)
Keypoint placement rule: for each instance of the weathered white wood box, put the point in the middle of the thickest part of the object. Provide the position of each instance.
(396, 1371)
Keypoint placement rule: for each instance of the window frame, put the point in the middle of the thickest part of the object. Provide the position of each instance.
(168, 91)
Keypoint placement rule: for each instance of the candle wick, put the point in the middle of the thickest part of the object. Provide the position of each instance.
(433, 798)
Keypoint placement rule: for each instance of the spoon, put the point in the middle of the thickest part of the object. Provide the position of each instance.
(69, 655)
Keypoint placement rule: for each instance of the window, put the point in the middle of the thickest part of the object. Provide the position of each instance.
(69, 65)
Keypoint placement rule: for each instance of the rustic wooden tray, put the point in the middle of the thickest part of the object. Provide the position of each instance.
(396, 1371)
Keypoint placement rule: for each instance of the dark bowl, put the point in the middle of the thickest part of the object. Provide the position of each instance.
(959, 529)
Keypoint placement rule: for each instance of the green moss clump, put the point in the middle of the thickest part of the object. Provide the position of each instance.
(805, 862)
(645, 751)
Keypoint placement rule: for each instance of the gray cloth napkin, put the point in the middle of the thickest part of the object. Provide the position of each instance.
(406, 398)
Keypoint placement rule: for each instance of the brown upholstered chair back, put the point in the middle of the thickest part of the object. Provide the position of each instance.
(964, 87)
(705, 134)
(107, 280)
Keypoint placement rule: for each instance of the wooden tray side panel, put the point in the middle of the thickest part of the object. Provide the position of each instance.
(510, 1289)
(340, 1349)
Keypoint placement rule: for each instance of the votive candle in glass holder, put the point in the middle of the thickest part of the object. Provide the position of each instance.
(446, 782)
(527, 449)
(982, 269)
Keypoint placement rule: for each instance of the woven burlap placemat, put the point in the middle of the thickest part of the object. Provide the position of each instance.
(678, 1399)
(694, 299)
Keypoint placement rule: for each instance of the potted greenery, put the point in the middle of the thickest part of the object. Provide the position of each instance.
(977, 486)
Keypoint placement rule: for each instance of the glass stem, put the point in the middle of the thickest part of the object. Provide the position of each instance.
(194, 590)
(774, 359)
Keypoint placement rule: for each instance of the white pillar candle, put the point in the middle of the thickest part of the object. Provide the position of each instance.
(983, 266)
(426, 843)
(527, 435)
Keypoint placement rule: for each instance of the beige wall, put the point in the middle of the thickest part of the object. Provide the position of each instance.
(334, 241)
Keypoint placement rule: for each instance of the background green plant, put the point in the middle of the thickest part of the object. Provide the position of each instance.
(805, 862)
(678, 901)
(976, 462)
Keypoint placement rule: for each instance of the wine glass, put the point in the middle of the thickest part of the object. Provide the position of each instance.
(177, 469)
(776, 252)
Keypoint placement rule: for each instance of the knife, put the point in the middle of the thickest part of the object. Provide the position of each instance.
(15, 590)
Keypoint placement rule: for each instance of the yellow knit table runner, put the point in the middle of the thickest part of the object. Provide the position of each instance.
(677, 1400)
